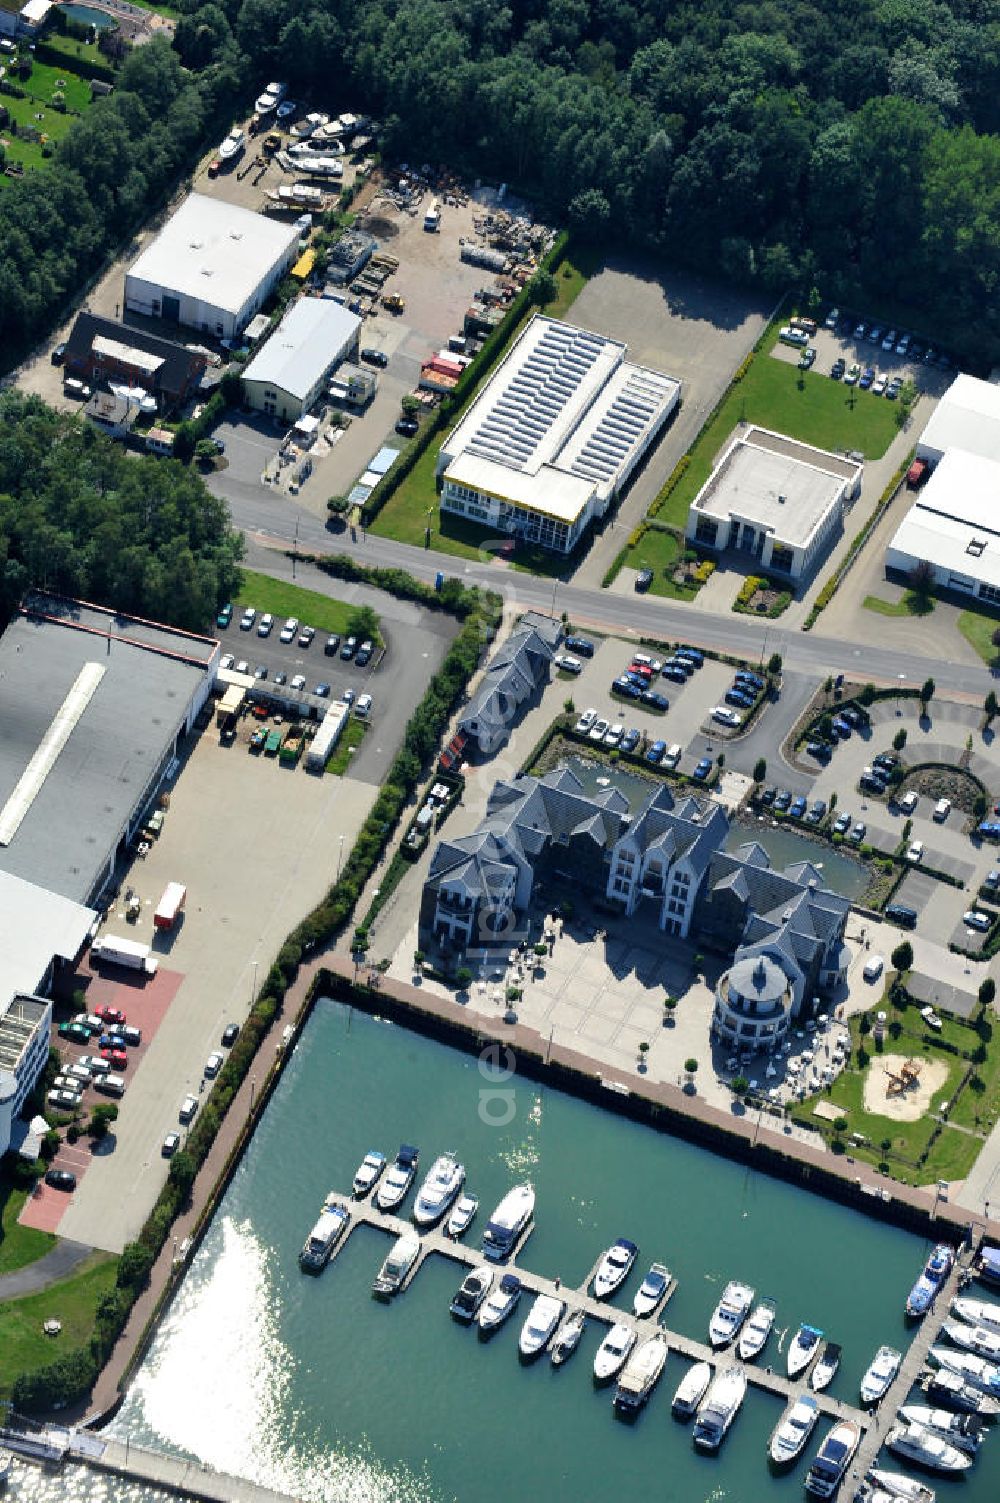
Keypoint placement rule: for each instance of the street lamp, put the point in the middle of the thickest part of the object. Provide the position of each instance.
(253, 982)
(340, 857)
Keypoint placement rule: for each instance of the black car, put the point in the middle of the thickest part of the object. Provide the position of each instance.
(407, 427)
(375, 357)
(902, 913)
(819, 749)
(887, 760)
(332, 646)
(59, 354)
(837, 369)
(61, 1179)
(626, 689)
(767, 797)
(655, 700)
(868, 783)
(230, 1035)
(581, 645)
(675, 674)
(643, 580)
(281, 677)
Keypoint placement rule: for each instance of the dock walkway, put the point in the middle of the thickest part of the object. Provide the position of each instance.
(190, 1479)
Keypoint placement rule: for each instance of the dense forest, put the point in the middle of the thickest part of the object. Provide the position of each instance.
(79, 515)
(843, 146)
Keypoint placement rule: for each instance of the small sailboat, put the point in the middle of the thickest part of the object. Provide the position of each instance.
(803, 1349)
(613, 1353)
(754, 1335)
(881, 1370)
(790, 1434)
(826, 1367)
(691, 1390)
(568, 1338)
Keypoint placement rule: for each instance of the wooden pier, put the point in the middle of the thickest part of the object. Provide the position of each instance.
(185, 1479)
(365, 1213)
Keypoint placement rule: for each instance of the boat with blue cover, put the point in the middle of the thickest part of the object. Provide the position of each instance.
(934, 1273)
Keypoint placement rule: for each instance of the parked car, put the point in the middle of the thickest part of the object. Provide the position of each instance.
(879, 386)
(643, 580)
(582, 645)
(798, 807)
(585, 721)
(224, 617)
(213, 1064)
(915, 852)
(702, 769)
(322, 691)
(727, 717)
(74, 1033)
(695, 654)
(598, 730)
(375, 357)
(817, 812)
(744, 676)
(739, 698)
(782, 800)
(675, 673)
(170, 1144)
(655, 700)
(656, 751)
(901, 913)
(976, 919)
(821, 750)
(867, 377)
(64, 1101)
(60, 1179)
(568, 663)
(838, 369)
(230, 1034)
(853, 375)
(265, 625)
(188, 1108)
(631, 740)
(614, 734)
(858, 833)
(873, 968)
(349, 648)
(768, 796)
(248, 618)
(842, 824)
(908, 803)
(332, 645)
(111, 1014)
(306, 635)
(931, 1018)
(226, 662)
(407, 427)
(808, 358)
(626, 687)
(941, 810)
(59, 354)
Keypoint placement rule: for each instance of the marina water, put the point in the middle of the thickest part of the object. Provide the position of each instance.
(309, 1385)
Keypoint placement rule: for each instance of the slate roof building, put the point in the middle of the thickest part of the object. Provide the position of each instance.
(100, 350)
(515, 674)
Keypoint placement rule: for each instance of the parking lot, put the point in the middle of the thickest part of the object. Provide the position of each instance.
(843, 344)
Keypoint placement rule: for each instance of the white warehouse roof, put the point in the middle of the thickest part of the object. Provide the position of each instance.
(36, 925)
(955, 522)
(967, 417)
(312, 337)
(214, 252)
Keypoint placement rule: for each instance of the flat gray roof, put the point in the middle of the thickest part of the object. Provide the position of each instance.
(90, 703)
(35, 926)
(775, 483)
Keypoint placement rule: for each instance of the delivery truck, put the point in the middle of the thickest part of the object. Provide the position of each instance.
(169, 905)
(108, 949)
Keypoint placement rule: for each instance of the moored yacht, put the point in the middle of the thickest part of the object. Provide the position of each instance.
(402, 1256)
(754, 1335)
(881, 1370)
(826, 1367)
(833, 1458)
(508, 1222)
(439, 1189)
(614, 1268)
(500, 1304)
(898, 1485)
(691, 1390)
(952, 1389)
(934, 1273)
(462, 1216)
(613, 1353)
(790, 1434)
(395, 1187)
(803, 1349)
(977, 1312)
(730, 1313)
(652, 1289)
(719, 1408)
(543, 1317)
(926, 1449)
(973, 1339)
(641, 1374)
(475, 1287)
(965, 1431)
(324, 1237)
(568, 1338)
(975, 1370)
(369, 1172)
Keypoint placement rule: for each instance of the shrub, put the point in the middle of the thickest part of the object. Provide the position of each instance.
(902, 956)
(463, 977)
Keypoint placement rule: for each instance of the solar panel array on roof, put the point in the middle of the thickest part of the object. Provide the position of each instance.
(537, 395)
(621, 427)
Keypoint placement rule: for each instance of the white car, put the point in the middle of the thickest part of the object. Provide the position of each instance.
(187, 1110)
(942, 809)
(227, 662)
(614, 734)
(289, 629)
(915, 852)
(878, 386)
(264, 625)
(976, 920)
(213, 1064)
(599, 730)
(725, 716)
(568, 663)
(585, 722)
(874, 967)
(298, 682)
(909, 802)
(248, 619)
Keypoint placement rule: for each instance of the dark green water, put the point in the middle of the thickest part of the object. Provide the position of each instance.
(308, 1384)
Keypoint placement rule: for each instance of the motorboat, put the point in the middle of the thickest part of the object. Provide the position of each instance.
(719, 1408)
(297, 196)
(973, 1339)
(934, 1273)
(270, 99)
(833, 1458)
(395, 1187)
(730, 1313)
(404, 1253)
(924, 1447)
(613, 1353)
(965, 1431)
(232, 146)
(978, 1312)
(462, 1216)
(369, 1173)
(439, 1189)
(309, 123)
(826, 1367)
(652, 1289)
(881, 1370)
(951, 1389)
(691, 1390)
(790, 1434)
(568, 1338)
(537, 1331)
(318, 144)
(898, 1485)
(803, 1348)
(323, 1238)
(641, 1374)
(975, 1370)
(987, 1266)
(508, 1221)
(475, 1287)
(614, 1268)
(754, 1335)
(500, 1304)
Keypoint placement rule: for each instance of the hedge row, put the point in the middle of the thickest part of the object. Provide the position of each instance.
(748, 590)
(673, 480)
(454, 597)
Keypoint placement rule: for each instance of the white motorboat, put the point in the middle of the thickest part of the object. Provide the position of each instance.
(730, 1313)
(652, 1289)
(369, 1173)
(318, 145)
(402, 1256)
(975, 1370)
(973, 1339)
(977, 1312)
(934, 1273)
(500, 1304)
(898, 1485)
(790, 1434)
(309, 123)
(691, 1390)
(926, 1449)
(613, 1353)
(803, 1349)
(966, 1431)
(826, 1367)
(952, 1389)
(568, 1337)
(614, 1268)
(232, 146)
(537, 1331)
(883, 1368)
(324, 1237)
(641, 1374)
(754, 1335)
(508, 1221)
(719, 1408)
(475, 1287)
(439, 1189)
(462, 1216)
(833, 1458)
(395, 1187)
(271, 98)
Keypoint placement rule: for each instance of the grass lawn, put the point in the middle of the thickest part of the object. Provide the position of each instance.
(660, 551)
(37, 112)
(910, 605)
(351, 738)
(282, 598)
(19, 1245)
(978, 629)
(23, 1344)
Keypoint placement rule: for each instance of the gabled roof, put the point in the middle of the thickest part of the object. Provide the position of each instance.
(176, 368)
(518, 665)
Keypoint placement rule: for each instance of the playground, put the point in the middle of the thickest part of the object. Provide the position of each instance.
(902, 1087)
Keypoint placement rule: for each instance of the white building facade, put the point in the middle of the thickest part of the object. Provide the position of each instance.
(290, 372)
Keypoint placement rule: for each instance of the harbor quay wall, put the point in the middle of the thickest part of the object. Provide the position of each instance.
(665, 1107)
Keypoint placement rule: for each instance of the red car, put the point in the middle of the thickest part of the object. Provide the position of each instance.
(643, 669)
(116, 1057)
(111, 1015)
